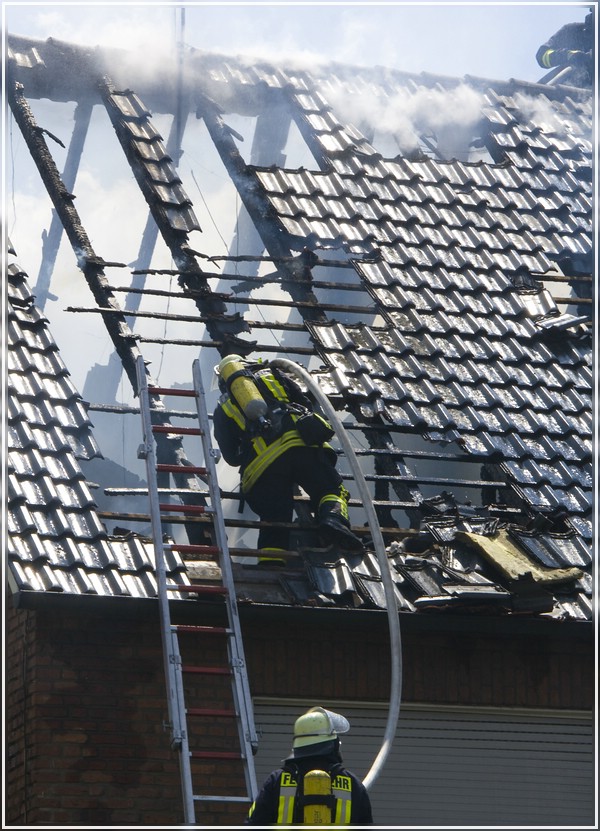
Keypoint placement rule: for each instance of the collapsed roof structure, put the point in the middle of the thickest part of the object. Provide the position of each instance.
(434, 274)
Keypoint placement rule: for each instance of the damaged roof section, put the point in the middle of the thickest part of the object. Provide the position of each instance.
(455, 564)
(438, 285)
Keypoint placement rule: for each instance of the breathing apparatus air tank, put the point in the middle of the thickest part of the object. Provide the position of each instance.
(242, 388)
(317, 795)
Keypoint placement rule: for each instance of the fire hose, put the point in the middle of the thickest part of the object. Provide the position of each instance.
(386, 576)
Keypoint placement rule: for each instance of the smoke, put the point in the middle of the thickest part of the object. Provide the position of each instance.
(293, 59)
(541, 113)
(120, 27)
(407, 114)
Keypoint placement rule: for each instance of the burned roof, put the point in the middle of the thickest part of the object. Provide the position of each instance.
(436, 282)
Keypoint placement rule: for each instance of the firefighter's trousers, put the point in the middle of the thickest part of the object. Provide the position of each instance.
(272, 496)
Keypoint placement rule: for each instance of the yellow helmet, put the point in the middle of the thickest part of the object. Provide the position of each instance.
(317, 727)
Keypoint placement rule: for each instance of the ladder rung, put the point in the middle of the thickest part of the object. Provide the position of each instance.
(181, 431)
(215, 754)
(206, 670)
(200, 798)
(207, 711)
(184, 509)
(200, 630)
(196, 588)
(164, 468)
(169, 391)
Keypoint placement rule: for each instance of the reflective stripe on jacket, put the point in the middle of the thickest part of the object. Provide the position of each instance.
(264, 453)
(546, 58)
(341, 788)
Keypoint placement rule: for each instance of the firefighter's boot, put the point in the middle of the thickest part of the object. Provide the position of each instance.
(334, 525)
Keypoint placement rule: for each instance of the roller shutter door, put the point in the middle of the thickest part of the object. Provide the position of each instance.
(458, 766)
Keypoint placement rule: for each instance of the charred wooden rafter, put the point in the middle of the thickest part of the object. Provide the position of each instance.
(169, 448)
(90, 264)
(296, 274)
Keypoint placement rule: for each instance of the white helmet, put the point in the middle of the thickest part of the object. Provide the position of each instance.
(229, 359)
(317, 727)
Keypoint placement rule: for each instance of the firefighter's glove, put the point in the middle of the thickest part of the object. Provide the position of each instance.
(580, 59)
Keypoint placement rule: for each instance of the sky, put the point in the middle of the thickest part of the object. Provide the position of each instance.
(493, 40)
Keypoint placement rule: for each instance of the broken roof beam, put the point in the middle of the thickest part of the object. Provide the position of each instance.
(89, 263)
(54, 69)
(252, 195)
(51, 242)
(243, 347)
(270, 137)
(168, 449)
(390, 469)
(235, 299)
(178, 318)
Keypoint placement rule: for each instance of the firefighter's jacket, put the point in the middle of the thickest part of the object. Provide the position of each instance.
(247, 445)
(280, 799)
(558, 51)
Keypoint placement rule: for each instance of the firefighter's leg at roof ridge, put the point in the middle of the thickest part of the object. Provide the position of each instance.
(272, 499)
(314, 469)
(334, 523)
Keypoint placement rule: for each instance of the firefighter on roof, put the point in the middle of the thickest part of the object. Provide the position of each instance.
(265, 424)
(313, 787)
(571, 46)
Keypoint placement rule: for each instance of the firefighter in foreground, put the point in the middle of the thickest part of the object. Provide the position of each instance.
(265, 424)
(571, 46)
(313, 787)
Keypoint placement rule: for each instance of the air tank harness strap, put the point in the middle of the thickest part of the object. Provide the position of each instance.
(231, 378)
(328, 800)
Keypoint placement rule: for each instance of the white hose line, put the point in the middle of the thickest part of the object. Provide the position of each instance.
(386, 577)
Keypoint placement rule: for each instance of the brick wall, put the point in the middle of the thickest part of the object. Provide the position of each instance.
(18, 637)
(85, 701)
(437, 668)
(85, 712)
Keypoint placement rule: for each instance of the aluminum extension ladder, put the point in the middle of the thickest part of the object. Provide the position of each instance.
(174, 668)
